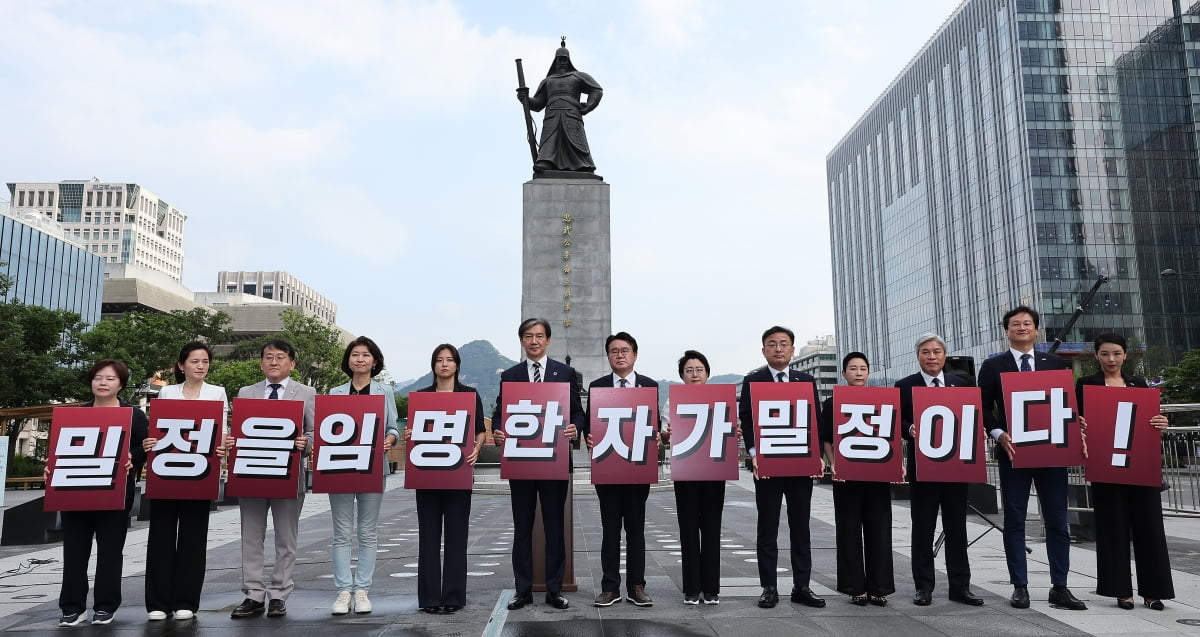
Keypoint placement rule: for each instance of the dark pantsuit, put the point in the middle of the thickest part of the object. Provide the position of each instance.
(769, 495)
(1052, 494)
(525, 496)
(863, 514)
(175, 554)
(926, 499)
(623, 503)
(699, 506)
(1126, 513)
(439, 509)
(79, 527)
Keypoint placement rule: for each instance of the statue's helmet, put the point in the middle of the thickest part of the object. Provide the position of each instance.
(560, 54)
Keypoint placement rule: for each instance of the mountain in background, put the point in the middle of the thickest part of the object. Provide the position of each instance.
(481, 367)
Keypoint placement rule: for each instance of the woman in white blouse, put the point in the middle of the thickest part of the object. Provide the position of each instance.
(178, 542)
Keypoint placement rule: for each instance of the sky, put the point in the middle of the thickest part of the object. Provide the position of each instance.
(376, 149)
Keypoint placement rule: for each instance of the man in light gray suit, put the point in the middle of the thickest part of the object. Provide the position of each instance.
(278, 359)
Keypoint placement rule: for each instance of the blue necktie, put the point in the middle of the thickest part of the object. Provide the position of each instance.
(275, 387)
(1025, 366)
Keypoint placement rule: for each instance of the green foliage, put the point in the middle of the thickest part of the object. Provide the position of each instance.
(149, 343)
(402, 406)
(318, 346)
(234, 375)
(39, 353)
(25, 467)
(1181, 383)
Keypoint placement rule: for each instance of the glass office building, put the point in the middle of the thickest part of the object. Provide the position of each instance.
(1031, 147)
(49, 270)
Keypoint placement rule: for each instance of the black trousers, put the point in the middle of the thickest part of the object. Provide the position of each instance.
(1126, 513)
(79, 528)
(699, 506)
(441, 584)
(769, 495)
(862, 512)
(926, 498)
(623, 504)
(175, 554)
(525, 496)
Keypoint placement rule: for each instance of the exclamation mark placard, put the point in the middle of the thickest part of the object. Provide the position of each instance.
(1123, 436)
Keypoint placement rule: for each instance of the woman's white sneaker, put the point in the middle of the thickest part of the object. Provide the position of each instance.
(156, 615)
(341, 605)
(184, 615)
(361, 603)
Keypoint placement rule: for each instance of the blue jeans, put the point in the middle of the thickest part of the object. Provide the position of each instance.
(342, 507)
(1052, 494)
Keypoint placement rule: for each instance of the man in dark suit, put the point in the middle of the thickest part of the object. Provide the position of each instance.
(1021, 327)
(778, 347)
(927, 497)
(622, 502)
(526, 494)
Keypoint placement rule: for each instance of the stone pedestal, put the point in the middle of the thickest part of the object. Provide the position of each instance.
(566, 268)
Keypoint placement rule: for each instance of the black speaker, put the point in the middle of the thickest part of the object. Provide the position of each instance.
(962, 366)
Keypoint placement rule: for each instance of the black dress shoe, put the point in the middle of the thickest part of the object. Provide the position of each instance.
(966, 597)
(1061, 597)
(805, 596)
(1125, 604)
(520, 600)
(557, 600)
(1020, 597)
(451, 608)
(276, 608)
(769, 597)
(248, 608)
(432, 610)
(1154, 605)
(922, 598)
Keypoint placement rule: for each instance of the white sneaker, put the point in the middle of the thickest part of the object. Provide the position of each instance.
(361, 603)
(184, 615)
(341, 605)
(156, 615)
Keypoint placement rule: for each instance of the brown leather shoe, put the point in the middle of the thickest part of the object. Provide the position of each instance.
(607, 598)
(638, 597)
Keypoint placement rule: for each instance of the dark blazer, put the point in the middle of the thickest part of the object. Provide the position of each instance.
(993, 393)
(906, 385)
(479, 426)
(606, 381)
(139, 430)
(556, 372)
(1098, 379)
(745, 406)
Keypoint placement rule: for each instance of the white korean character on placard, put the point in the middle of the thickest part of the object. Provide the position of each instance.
(778, 437)
(182, 449)
(265, 448)
(523, 424)
(612, 442)
(955, 431)
(873, 444)
(1060, 416)
(441, 436)
(346, 446)
(721, 429)
(86, 458)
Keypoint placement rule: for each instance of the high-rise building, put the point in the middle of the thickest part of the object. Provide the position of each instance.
(47, 267)
(1030, 147)
(278, 286)
(121, 222)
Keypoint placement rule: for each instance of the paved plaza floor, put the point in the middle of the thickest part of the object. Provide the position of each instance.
(30, 577)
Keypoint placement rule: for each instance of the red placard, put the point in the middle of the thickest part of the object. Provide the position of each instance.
(1123, 447)
(89, 448)
(949, 434)
(443, 437)
(533, 417)
(866, 434)
(703, 435)
(347, 451)
(264, 462)
(785, 429)
(1042, 418)
(183, 465)
(623, 425)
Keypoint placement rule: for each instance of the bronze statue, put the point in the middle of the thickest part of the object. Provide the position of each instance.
(564, 145)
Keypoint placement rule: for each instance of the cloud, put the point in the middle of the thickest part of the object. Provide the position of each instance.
(672, 24)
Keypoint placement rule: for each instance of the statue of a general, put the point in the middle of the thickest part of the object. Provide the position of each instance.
(564, 145)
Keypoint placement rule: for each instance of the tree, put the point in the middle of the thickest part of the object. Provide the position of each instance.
(149, 343)
(318, 345)
(1181, 383)
(39, 355)
(234, 375)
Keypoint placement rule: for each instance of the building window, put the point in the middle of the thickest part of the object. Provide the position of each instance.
(89, 199)
(20, 197)
(118, 198)
(50, 198)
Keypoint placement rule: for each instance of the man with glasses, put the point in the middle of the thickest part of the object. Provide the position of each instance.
(278, 359)
(538, 367)
(622, 503)
(769, 493)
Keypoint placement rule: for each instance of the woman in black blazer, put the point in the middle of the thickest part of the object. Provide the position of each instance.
(1127, 512)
